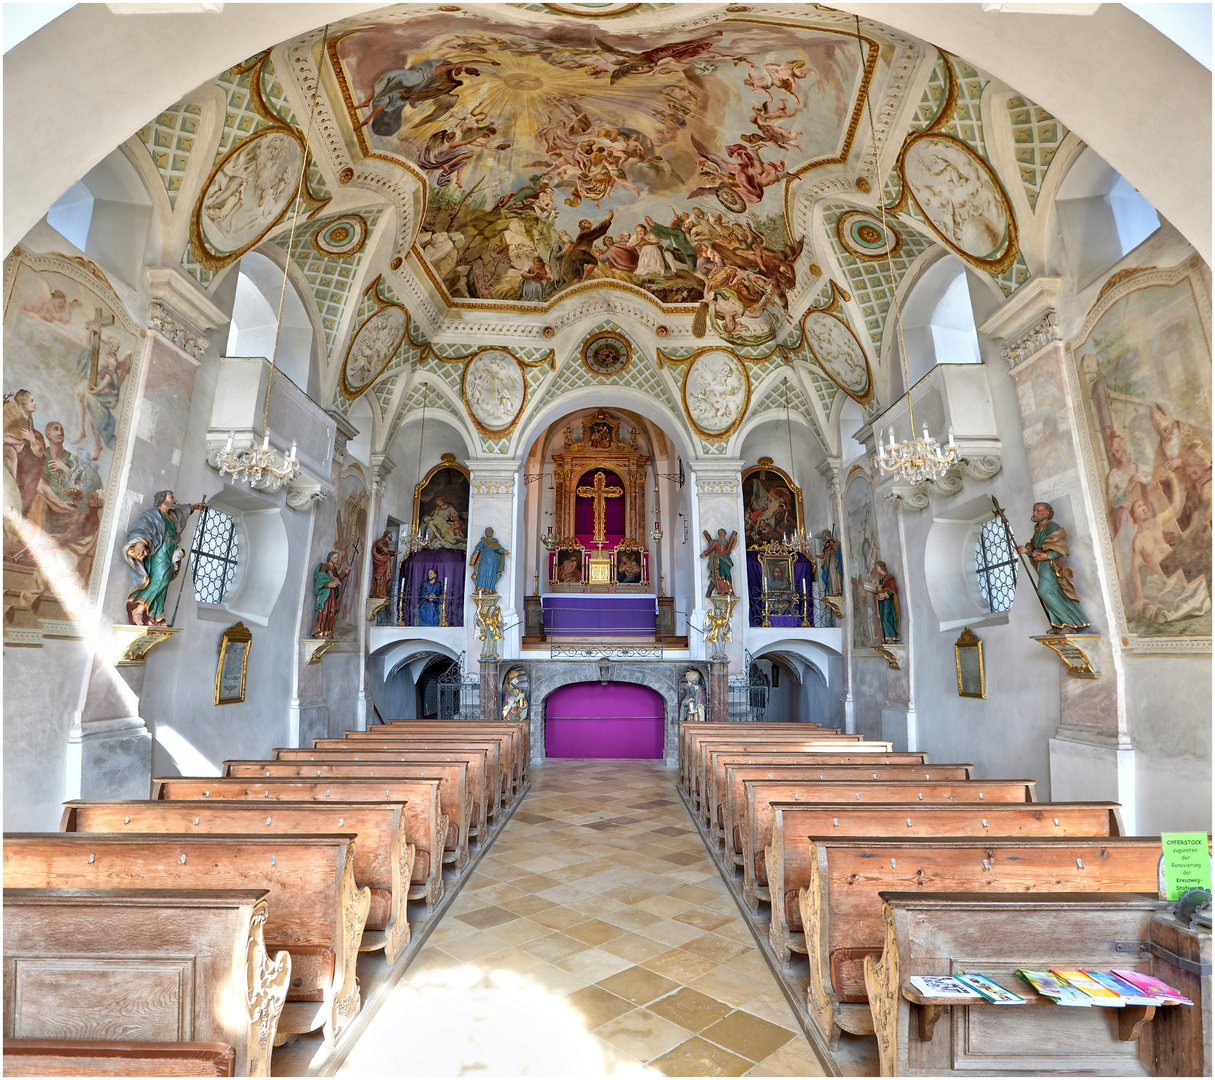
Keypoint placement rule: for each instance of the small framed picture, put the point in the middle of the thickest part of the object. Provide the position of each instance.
(968, 654)
(567, 566)
(233, 661)
(629, 566)
(778, 573)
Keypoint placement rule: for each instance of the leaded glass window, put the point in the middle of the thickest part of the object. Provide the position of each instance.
(996, 566)
(214, 556)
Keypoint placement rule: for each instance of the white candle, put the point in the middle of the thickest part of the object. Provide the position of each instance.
(231, 436)
(892, 435)
(444, 583)
(951, 436)
(293, 446)
(266, 441)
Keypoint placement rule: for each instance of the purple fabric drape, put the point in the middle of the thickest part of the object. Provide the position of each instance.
(802, 579)
(613, 512)
(447, 564)
(591, 720)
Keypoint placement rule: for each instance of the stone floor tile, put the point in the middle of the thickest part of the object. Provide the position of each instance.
(690, 1009)
(672, 932)
(557, 917)
(699, 1058)
(516, 960)
(557, 981)
(729, 986)
(528, 904)
(556, 947)
(772, 1006)
(486, 917)
(597, 1006)
(595, 931)
(634, 947)
(681, 966)
(717, 948)
(639, 985)
(748, 1035)
(705, 920)
(475, 946)
(666, 906)
(795, 1058)
(593, 965)
(643, 1034)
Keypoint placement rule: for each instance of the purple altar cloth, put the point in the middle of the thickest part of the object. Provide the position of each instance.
(590, 720)
(589, 613)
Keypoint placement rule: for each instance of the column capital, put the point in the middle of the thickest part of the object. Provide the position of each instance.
(180, 312)
(493, 477)
(829, 470)
(1027, 322)
(721, 476)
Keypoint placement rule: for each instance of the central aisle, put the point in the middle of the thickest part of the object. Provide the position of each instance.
(595, 939)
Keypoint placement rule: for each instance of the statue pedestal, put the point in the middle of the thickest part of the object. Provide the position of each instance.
(315, 648)
(1077, 651)
(375, 606)
(719, 690)
(894, 655)
(489, 689)
(133, 643)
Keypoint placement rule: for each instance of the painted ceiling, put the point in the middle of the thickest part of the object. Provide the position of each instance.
(706, 177)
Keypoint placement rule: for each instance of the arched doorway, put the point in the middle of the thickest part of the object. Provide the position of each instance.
(603, 720)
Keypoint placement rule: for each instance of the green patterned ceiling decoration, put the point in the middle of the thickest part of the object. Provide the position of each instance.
(1037, 137)
(412, 402)
(330, 279)
(383, 391)
(774, 398)
(169, 140)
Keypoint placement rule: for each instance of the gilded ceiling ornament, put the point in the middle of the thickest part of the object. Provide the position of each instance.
(865, 236)
(342, 237)
(606, 353)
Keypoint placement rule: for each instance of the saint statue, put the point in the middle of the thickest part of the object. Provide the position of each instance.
(488, 561)
(887, 596)
(327, 583)
(382, 552)
(720, 564)
(1048, 548)
(692, 698)
(830, 565)
(515, 707)
(151, 551)
(430, 599)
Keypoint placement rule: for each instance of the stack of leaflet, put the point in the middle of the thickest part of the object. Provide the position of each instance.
(1059, 992)
(1114, 989)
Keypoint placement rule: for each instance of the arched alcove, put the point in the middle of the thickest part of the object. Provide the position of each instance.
(259, 288)
(938, 319)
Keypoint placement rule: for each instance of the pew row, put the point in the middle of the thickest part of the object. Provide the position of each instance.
(455, 800)
(842, 912)
(471, 726)
(424, 823)
(314, 909)
(994, 935)
(91, 1057)
(791, 854)
(756, 815)
(506, 744)
(383, 857)
(803, 742)
(732, 729)
(100, 966)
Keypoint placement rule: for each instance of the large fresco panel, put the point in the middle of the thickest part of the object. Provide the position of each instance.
(860, 520)
(1146, 365)
(69, 354)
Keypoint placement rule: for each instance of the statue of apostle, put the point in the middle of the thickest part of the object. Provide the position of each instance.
(692, 698)
(152, 552)
(515, 706)
(720, 564)
(487, 562)
(1048, 548)
(887, 596)
(382, 552)
(327, 587)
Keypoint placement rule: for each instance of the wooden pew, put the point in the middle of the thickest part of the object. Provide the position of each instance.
(91, 1057)
(383, 857)
(726, 794)
(700, 767)
(315, 910)
(719, 759)
(497, 795)
(758, 795)
(424, 822)
(510, 747)
(994, 935)
(731, 729)
(843, 913)
(474, 761)
(792, 734)
(523, 727)
(455, 800)
(151, 965)
(791, 855)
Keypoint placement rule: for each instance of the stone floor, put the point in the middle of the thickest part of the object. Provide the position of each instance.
(596, 938)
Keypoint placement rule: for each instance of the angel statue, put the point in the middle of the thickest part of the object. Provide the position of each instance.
(720, 564)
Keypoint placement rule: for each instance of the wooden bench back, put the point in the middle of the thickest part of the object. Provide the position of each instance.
(792, 734)
(690, 731)
(463, 727)
(510, 750)
(194, 966)
(812, 745)
(497, 764)
(92, 1057)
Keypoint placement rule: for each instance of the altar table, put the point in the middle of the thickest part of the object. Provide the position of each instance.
(597, 614)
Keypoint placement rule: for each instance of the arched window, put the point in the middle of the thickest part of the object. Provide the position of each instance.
(259, 286)
(214, 555)
(1101, 217)
(938, 321)
(996, 566)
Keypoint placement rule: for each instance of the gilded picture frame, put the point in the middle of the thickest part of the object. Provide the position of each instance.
(777, 573)
(233, 664)
(968, 656)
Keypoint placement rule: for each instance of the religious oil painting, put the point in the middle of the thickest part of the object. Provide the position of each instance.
(567, 566)
(629, 566)
(576, 153)
(863, 556)
(772, 508)
(778, 573)
(70, 352)
(1146, 364)
(441, 507)
(350, 537)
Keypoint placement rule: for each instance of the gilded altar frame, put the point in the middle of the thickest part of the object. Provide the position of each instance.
(447, 461)
(233, 651)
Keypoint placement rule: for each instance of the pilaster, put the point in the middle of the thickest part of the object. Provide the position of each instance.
(718, 487)
(493, 503)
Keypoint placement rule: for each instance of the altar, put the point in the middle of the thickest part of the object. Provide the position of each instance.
(597, 615)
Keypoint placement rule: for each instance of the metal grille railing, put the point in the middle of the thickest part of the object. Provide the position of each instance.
(215, 552)
(459, 696)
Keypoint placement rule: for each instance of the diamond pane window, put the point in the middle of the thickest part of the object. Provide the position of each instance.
(214, 555)
(996, 565)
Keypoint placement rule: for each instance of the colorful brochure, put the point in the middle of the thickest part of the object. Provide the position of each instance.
(944, 986)
(1058, 991)
(992, 991)
(1150, 985)
(1129, 993)
(1101, 995)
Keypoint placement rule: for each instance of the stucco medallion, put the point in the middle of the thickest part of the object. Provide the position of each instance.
(494, 390)
(715, 393)
(372, 348)
(839, 354)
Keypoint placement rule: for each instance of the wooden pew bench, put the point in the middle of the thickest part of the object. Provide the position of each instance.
(314, 909)
(994, 935)
(91, 1057)
(756, 817)
(727, 793)
(383, 857)
(791, 856)
(468, 727)
(455, 800)
(422, 820)
(842, 912)
(160, 966)
(730, 729)
(474, 761)
(509, 757)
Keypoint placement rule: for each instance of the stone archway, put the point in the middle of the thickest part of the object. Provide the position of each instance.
(664, 676)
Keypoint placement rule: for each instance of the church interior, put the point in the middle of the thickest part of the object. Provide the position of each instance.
(634, 438)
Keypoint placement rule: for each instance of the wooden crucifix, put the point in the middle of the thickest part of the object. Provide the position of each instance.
(599, 491)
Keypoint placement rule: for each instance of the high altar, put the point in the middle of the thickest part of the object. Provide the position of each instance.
(597, 543)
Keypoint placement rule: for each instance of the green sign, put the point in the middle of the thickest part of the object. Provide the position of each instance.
(1187, 863)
